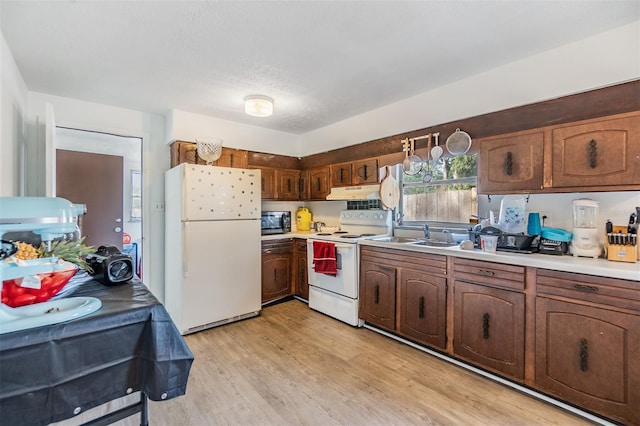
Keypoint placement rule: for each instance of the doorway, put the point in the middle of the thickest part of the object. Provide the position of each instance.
(103, 171)
(94, 180)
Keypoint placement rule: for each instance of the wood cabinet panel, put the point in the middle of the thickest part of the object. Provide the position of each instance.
(378, 295)
(267, 183)
(410, 290)
(319, 183)
(422, 307)
(301, 276)
(489, 327)
(303, 186)
(341, 174)
(276, 269)
(365, 171)
(288, 184)
(597, 153)
(511, 163)
(279, 184)
(489, 273)
(187, 152)
(589, 357)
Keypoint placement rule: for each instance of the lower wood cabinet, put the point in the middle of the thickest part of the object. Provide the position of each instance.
(489, 322)
(277, 258)
(301, 272)
(406, 293)
(423, 307)
(576, 336)
(378, 294)
(588, 344)
(489, 328)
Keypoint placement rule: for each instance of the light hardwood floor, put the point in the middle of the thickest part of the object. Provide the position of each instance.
(294, 366)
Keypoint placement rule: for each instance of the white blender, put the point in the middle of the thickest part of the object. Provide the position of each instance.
(585, 232)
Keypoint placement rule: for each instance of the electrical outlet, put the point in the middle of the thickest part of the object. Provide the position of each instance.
(545, 218)
(158, 206)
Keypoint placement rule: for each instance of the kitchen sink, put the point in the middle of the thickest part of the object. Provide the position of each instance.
(400, 240)
(434, 243)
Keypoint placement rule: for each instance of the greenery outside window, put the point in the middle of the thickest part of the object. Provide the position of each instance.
(450, 197)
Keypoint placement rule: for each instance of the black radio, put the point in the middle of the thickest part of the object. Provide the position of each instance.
(110, 266)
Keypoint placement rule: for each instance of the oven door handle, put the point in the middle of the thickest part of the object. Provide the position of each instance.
(338, 262)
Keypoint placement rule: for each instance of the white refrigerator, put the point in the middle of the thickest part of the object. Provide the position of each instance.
(212, 245)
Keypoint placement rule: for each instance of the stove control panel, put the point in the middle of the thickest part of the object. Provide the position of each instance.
(366, 217)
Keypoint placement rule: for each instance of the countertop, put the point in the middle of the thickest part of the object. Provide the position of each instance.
(583, 265)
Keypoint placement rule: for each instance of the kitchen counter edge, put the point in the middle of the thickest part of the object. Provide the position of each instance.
(582, 265)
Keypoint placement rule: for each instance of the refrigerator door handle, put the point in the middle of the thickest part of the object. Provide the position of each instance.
(185, 251)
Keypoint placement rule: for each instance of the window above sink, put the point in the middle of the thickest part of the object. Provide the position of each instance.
(443, 194)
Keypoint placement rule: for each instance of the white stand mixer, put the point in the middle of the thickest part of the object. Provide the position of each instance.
(585, 231)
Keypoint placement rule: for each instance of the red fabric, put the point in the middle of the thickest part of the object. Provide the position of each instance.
(324, 258)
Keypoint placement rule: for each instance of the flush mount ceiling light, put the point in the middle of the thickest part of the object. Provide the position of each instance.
(258, 105)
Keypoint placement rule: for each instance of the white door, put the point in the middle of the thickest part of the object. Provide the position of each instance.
(221, 271)
(346, 281)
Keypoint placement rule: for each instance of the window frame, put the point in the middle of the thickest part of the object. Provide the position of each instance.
(400, 220)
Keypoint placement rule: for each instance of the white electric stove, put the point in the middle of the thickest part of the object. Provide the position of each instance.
(337, 296)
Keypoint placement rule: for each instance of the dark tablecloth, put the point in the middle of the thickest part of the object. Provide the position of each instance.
(128, 345)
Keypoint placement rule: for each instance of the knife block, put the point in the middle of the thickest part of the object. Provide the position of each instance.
(621, 252)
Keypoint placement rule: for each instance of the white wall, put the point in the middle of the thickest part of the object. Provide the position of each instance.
(187, 126)
(13, 109)
(155, 160)
(605, 59)
(616, 206)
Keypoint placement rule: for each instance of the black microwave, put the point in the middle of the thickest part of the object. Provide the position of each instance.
(276, 222)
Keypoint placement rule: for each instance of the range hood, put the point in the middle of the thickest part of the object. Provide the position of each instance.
(363, 192)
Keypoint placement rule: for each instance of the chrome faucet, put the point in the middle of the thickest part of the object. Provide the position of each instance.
(427, 233)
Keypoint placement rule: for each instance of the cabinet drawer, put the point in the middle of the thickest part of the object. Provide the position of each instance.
(424, 262)
(605, 291)
(277, 246)
(492, 274)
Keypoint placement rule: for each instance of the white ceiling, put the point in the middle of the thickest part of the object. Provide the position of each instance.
(322, 61)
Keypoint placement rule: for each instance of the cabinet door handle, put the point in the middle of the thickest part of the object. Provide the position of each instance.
(421, 307)
(318, 184)
(341, 174)
(508, 164)
(592, 153)
(583, 355)
(365, 173)
(376, 294)
(485, 326)
(586, 288)
(289, 185)
(486, 273)
(231, 158)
